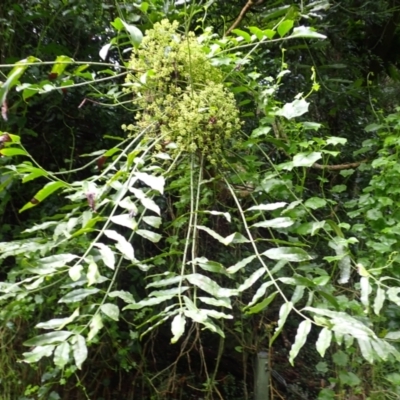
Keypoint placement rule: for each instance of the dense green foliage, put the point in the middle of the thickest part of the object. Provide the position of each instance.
(185, 184)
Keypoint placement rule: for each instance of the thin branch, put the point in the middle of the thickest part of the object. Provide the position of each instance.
(244, 11)
(339, 167)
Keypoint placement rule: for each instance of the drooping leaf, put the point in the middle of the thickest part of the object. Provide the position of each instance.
(284, 311)
(38, 353)
(254, 277)
(379, 300)
(155, 182)
(58, 323)
(306, 159)
(134, 32)
(221, 302)
(79, 350)
(43, 193)
(95, 326)
(155, 222)
(111, 310)
(285, 26)
(148, 302)
(125, 220)
(267, 207)
(239, 265)
(324, 341)
(208, 285)
(122, 244)
(61, 354)
(300, 339)
(255, 309)
(59, 66)
(107, 255)
(178, 327)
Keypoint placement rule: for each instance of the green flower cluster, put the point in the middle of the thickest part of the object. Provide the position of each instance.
(181, 93)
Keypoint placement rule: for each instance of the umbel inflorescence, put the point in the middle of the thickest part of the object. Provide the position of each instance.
(180, 93)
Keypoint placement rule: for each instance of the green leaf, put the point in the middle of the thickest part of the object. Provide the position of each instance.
(155, 222)
(262, 305)
(75, 272)
(242, 34)
(315, 203)
(366, 348)
(295, 109)
(61, 355)
(122, 244)
(11, 151)
(107, 255)
(260, 293)
(111, 310)
(306, 159)
(38, 353)
(79, 350)
(269, 33)
(134, 32)
(284, 27)
(47, 190)
(281, 222)
(283, 314)
(301, 337)
(155, 182)
(149, 235)
(291, 254)
(379, 300)
(267, 207)
(257, 31)
(365, 290)
(123, 295)
(77, 295)
(178, 327)
(334, 140)
(306, 32)
(60, 64)
(14, 75)
(48, 338)
(233, 238)
(58, 323)
(324, 341)
(208, 265)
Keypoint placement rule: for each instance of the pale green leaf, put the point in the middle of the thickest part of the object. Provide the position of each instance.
(280, 222)
(208, 285)
(224, 214)
(267, 207)
(217, 314)
(300, 339)
(334, 140)
(208, 265)
(75, 272)
(366, 348)
(284, 311)
(178, 327)
(379, 300)
(38, 353)
(42, 194)
(122, 244)
(148, 302)
(239, 265)
(315, 203)
(150, 205)
(149, 235)
(393, 295)
(306, 159)
(78, 295)
(111, 310)
(48, 338)
(253, 278)
(295, 109)
(93, 274)
(221, 302)
(58, 323)
(61, 355)
(306, 32)
(134, 32)
(107, 255)
(155, 182)
(365, 290)
(79, 350)
(123, 295)
(124, 220)
(255, 309)
(324, 341)
(155, 222)
(95, 326)
(291, 254)
(260, 292)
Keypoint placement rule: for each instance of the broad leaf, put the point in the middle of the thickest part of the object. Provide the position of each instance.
(122, 244)
(291, 254)
(178, 327)
(61, 355)
(48, 338)
(43, 193)
(300, 339)
(155, 182)
(295, 109)
(324, 341)
(77, 295)
(149, 235)
(111, 310)
(107, 255)
(79, 350)
(283, 314)
(38, 353)
(306, 32)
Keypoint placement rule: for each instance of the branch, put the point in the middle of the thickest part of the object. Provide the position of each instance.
(244, 11)
(338, 167)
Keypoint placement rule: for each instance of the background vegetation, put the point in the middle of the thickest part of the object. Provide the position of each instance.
(185, 184)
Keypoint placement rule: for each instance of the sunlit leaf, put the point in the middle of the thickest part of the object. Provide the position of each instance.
(155, 222)
(96, 324)
(295, 109)
(254, 277)
(221, 302)
(125, 220)
(155, 182)
(134, 32)
(284, 311)
(239, 265)
(61, 355)
(267, 207)
(306, 159)
(306, 32)
(379, 300)
(280, 222)
(122, 244)
(262, 305)
(43, 193)
(208, 285)
(149, 235)
(38, 353)
(284, 27)
(107, 255)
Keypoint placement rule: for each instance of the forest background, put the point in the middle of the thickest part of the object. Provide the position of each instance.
(186, 184)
